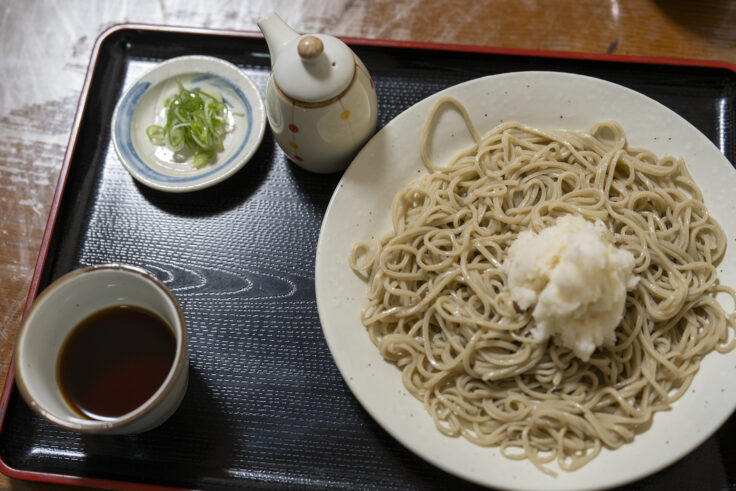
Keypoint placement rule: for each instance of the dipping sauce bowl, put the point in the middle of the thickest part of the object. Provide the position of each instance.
(117, 326)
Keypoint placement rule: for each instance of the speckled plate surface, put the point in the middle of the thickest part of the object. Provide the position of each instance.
(143, 105)
(360, 209)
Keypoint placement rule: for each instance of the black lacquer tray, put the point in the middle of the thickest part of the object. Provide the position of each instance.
(266, 407)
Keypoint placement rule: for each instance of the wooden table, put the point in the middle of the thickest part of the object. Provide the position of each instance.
(45, 48)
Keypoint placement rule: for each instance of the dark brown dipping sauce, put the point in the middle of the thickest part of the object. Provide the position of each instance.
(114, 360)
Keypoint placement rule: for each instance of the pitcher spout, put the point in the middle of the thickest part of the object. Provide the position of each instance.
(277, 33)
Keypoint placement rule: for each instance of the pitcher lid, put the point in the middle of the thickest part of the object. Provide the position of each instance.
(314, 68)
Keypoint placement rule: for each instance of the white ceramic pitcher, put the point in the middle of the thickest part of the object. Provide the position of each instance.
(320, 99)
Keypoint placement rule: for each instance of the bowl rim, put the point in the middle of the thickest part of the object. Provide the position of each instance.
(179, 365)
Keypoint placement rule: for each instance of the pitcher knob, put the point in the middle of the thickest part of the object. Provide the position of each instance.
(310, 47)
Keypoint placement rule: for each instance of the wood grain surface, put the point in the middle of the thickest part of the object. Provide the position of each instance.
(45, 47)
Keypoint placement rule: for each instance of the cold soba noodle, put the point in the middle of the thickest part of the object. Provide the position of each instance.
(441, 310)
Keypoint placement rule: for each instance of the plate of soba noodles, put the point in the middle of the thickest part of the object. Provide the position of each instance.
(526, 279)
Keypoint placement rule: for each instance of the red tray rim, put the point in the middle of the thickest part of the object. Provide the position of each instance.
(15, 473)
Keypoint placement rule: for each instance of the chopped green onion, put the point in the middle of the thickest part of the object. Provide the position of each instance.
(195, 120)
(155, 133)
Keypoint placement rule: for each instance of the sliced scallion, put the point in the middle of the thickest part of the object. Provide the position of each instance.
(195, 120)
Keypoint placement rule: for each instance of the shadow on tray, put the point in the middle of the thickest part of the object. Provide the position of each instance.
(171, 453)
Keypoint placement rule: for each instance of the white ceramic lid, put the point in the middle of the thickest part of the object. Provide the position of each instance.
(314, 68)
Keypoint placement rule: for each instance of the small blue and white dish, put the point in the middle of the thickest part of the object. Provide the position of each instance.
(142, 105)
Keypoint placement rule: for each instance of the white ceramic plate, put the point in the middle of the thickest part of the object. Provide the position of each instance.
(143, 105)
(360, 210)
